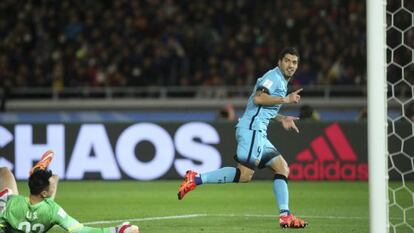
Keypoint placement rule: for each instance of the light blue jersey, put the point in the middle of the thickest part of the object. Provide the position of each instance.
(257, 117)
(253, 147)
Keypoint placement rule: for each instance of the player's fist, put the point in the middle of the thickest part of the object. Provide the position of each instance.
(294, 97)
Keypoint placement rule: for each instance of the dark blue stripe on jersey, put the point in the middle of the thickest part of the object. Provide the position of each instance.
(251, 146)
(255, 115)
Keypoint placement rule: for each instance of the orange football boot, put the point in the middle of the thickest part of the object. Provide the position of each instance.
(188, 184)
(290, 221)
(43, 162)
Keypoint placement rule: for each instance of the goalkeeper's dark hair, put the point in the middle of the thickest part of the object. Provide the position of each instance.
(289, 50)
(39, 181)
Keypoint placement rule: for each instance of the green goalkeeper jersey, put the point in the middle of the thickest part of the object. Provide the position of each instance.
(21, 216)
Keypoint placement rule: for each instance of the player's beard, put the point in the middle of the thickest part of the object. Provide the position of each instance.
(289, 73)
(288, 77)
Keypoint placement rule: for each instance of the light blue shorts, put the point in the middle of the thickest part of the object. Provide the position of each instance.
(254, 150)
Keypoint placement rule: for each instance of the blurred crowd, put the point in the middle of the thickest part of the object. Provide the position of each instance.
(69, 43)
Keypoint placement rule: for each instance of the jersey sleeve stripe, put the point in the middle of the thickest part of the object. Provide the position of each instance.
(264, 89)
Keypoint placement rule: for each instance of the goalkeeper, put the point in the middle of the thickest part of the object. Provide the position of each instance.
(39, 213)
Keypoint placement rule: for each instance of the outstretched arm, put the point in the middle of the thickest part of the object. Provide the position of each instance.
(53, 183)
(71, 225)
(123, 228)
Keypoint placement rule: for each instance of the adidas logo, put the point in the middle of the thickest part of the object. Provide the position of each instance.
(322, 164)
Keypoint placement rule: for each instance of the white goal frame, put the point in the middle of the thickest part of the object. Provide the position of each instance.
(377, 116)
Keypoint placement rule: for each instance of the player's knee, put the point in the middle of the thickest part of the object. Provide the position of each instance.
(285, 170)
(245, 173)
(246, 176)
(280, 166)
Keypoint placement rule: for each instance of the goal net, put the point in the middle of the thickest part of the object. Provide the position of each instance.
(400, 114)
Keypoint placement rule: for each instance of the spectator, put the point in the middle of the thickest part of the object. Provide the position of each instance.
(4, 94)
(306, 112)
(227, 113)
(143, 43)
(363, 114)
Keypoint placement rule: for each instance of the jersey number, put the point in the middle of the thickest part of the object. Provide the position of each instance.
(27, 228)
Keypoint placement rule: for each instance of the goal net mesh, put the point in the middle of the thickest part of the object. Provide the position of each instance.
(400, 112)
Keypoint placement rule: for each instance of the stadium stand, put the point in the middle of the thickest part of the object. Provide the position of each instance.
(178, 43)
(162, 50)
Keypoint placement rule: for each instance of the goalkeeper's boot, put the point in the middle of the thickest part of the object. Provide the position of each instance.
(290, 221)
(127, 228)
(3, 197)
(188, 184)
(43, 162)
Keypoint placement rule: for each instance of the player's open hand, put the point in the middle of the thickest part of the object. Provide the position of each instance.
(288, 123)
(294, 97)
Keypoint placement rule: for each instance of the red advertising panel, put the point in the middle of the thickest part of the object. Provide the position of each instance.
(330, 156)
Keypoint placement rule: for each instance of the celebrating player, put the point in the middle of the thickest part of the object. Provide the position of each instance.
(39, 213)
(254, 150)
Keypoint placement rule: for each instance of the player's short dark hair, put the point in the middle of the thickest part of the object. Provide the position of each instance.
(39, 181)
(289, 50)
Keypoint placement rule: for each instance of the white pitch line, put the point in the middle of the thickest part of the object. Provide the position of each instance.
(146, 219)
(211, 215)
(337, 217)
(275, 216)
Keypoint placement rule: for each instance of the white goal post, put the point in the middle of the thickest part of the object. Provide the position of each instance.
(377, 117)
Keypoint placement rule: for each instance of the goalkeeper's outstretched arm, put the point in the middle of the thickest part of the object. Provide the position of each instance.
(71, 225)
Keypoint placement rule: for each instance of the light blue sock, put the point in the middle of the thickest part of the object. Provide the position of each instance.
(281, 192)
(219, 176)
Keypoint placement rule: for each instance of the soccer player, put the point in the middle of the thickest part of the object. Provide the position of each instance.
(39, 212)
(254, 150)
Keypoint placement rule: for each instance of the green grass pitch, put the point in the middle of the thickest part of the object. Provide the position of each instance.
(329, 207)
